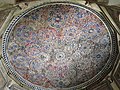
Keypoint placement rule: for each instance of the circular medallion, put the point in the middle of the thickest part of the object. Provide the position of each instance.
(58, 45)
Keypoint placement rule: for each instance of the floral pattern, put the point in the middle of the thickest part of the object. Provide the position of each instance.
(59, 46)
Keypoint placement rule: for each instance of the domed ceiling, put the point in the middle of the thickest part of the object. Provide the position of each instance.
(57, 46)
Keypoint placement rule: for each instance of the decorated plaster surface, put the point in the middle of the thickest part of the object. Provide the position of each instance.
(2, 80)
(58, 46)
(3, 16)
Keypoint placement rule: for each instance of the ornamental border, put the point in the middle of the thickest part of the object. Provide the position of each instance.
(106, 69)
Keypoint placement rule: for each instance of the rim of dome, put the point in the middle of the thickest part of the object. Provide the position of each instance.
(105, 70)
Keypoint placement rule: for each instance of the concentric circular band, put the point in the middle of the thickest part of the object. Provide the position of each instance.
(59, 45)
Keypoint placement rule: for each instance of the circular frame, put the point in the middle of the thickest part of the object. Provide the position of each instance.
(105, 70)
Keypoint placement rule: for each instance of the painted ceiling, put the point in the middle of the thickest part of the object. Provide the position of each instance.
(59, 46)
